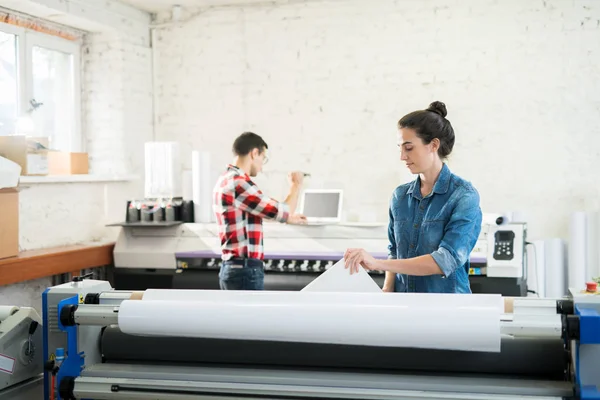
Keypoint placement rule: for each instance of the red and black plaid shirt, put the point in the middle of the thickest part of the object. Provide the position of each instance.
(240, 208)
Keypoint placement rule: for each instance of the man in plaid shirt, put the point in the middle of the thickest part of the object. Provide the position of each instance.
(240, 207)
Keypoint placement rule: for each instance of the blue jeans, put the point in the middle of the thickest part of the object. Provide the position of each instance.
(247, 274)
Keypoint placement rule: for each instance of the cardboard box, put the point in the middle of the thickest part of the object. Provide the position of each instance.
(64, 163)
(9, 222)
(29, 153)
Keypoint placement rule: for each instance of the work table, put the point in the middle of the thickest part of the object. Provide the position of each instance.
(35, 264)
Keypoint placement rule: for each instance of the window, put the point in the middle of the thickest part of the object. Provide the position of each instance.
(9, 97)
(39, 87)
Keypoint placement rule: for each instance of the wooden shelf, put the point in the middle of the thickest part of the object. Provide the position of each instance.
(35, 264)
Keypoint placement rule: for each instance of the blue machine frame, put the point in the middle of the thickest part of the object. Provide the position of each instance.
(589, 335)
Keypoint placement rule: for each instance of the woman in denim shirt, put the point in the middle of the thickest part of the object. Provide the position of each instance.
(434, 221)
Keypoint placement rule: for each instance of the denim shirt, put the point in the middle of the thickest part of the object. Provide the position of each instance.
(445, 224)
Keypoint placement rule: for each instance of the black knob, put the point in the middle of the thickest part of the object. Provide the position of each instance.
(32, 327)
(49, 365)
(570, 327)
(565, 307)
(67, 314)
(92, 298)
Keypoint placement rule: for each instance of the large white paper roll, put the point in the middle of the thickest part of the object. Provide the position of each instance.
(187, 191)
(469, 329)
(596, 273)
(202, 186)
(162, 170)
(536, 268)
(555, 259)
(438, 301)
(592, 245)
(540, 267)
(7, 311)
(577, 254)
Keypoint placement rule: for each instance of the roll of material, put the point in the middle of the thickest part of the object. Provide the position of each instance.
(536, 268)
(460, 328)
(202, 186)
(592, 245)
(7, 311)
(577, 250)
(542, 358)
(446, 301)
(556, 268)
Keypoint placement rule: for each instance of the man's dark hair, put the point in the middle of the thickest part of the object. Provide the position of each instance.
(247, 142)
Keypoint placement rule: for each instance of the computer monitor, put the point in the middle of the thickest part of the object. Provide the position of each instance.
(321, 206)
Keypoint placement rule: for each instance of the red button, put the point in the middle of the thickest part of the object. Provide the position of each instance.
(591, 286)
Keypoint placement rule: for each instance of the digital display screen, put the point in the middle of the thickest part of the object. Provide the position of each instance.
(321, 205)
(504, 236)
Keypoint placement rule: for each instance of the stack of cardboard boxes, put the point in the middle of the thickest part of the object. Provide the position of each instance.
(35, 157)
(9, 208)
(21, 155)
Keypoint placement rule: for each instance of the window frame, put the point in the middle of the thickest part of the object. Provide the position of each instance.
(26, 40)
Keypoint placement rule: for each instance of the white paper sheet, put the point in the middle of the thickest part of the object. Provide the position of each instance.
(338, 279)
(469, 329)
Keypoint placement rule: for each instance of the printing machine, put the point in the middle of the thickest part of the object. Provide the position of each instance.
(21, 361)
(187, 255)
(549, 350)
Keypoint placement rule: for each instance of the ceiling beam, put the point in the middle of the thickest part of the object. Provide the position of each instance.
(89, 15)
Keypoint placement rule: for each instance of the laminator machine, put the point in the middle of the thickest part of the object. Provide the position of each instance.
(549, 349)
(187, 255)
(21, 361)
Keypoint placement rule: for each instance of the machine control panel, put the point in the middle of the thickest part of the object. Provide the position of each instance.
(277, 265)
(506, 250)
(504, 244)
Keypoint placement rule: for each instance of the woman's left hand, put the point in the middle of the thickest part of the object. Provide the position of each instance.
(353, 258)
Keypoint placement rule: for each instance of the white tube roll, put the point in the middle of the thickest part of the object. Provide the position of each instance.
(7, 311)
(555, 259)
(577, 254)
(468, 329)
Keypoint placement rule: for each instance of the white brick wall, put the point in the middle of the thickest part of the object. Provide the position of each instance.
(325, 82)
(117, 120)
(117, 96)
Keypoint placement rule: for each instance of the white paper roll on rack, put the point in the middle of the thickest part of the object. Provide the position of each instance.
(556, 268)
(7, 311)
(202, 186)
(577, 250)
(536, 267)
(592, 245)
(469, 329)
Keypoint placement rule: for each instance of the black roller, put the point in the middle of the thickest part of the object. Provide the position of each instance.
(535, 358)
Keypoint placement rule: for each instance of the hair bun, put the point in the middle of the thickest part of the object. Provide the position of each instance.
(439, 108)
